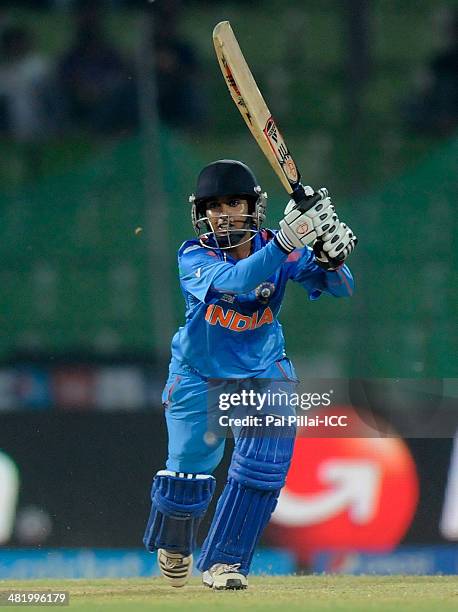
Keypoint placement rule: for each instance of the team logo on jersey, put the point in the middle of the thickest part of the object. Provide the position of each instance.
(264, 292)
(233, 320)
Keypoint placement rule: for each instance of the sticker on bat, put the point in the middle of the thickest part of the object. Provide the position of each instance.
(278, 146)
(235, 91)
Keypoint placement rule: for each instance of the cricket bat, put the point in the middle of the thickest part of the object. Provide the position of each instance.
(254, 110)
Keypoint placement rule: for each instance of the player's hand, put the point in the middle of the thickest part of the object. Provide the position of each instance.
(334, 246)
(305, 221)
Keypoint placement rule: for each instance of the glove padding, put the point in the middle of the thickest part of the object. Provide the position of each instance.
(297, 228)
(334, 246)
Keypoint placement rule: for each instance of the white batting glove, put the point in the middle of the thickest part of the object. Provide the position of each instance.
(334, 246)
(301, 225)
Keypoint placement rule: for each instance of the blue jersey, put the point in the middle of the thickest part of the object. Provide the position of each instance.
(231, 328)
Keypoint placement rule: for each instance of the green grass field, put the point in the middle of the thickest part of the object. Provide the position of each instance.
(285, 594)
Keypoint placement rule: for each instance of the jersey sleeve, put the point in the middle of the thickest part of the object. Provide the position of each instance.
(303, 269)
(202, 273)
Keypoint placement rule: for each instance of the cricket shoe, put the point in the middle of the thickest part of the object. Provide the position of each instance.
(176, 568)
(224, 577)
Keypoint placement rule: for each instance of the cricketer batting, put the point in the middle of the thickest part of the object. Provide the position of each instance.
(233, 277)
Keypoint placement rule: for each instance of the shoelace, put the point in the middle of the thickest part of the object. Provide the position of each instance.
(222, 568)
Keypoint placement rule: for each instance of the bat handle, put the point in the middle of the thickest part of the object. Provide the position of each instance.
(303, 201)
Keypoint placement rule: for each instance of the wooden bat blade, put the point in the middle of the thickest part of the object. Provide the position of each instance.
(251, 104)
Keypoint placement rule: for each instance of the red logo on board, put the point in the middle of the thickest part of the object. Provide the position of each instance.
(345, 494)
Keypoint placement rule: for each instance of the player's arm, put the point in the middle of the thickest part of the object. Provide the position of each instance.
(304, 269)
(202, 272)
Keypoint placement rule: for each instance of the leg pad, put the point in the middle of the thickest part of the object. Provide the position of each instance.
(256, 475)
(179, 502)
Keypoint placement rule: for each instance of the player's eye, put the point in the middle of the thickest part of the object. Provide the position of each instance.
(234, 203)
(212, 205)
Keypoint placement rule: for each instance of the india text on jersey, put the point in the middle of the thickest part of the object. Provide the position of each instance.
(235, 321)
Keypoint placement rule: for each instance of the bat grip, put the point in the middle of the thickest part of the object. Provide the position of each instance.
(298, 192)
(306, 202)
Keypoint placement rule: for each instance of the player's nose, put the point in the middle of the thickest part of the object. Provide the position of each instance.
(223, 219)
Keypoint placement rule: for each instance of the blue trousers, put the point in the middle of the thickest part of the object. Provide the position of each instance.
(191, 448)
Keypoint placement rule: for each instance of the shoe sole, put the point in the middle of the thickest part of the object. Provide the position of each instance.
(231, 585)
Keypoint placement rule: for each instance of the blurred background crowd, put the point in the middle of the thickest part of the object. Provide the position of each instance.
(70, 67)
(82, 79)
